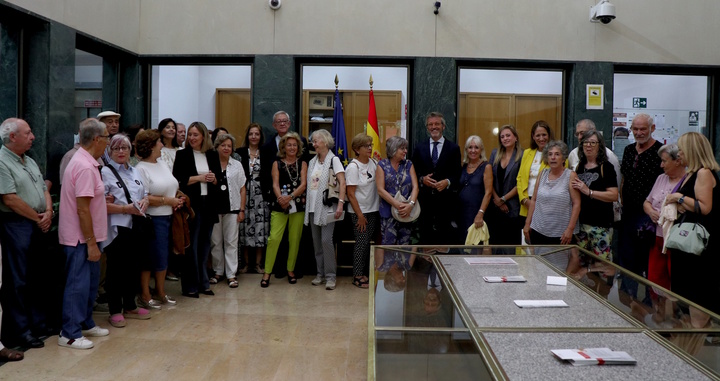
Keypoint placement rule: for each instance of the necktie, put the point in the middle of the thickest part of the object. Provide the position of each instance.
(435, 153)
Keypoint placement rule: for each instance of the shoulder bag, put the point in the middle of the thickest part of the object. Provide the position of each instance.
(414, 213)
(690, 237)
(142, 226)
(331, 195)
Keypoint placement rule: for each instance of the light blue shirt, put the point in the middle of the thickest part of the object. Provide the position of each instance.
(133, 180)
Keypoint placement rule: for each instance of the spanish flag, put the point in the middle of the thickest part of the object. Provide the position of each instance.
(372, 128)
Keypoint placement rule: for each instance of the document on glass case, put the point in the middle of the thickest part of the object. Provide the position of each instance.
(594, 356)
(505, 279)
(540, 303)
(490, 261)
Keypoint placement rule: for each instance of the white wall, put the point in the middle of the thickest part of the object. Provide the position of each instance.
(187, 93)
(510, 81)
(645, 31)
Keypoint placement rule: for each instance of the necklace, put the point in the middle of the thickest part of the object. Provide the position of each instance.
(297, 172)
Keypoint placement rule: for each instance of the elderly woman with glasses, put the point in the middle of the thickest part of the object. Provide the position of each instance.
(596, 181)
(364, 205)
(125, 244)
(231, 212)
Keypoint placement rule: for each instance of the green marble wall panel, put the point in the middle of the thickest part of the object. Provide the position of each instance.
(110, 88)
(434, 89)
(582, 74)
(133, 92)
(50, 92)
(9, 39)
(274, 88)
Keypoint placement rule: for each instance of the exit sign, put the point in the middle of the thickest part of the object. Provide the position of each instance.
(639, 102)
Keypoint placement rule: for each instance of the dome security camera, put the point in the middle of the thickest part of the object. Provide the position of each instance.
(275, 4)
(603, 12)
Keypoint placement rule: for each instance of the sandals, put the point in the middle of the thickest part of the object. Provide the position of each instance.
(359, 282)
(214, 279)
(232, 282)
(7, 354)
(292, 279)
(264, 283)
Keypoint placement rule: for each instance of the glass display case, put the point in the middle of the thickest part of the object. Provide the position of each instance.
(433, 316)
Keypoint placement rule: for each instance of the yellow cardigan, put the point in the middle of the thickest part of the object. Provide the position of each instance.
(523, 178)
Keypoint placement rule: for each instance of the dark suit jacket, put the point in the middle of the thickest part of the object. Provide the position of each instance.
(268, 156)
(184, 168)
(438, 209)
(509, 182)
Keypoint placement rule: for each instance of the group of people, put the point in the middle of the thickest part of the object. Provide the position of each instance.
(141, 196)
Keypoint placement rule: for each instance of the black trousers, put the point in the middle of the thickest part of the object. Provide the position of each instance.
(123, 271)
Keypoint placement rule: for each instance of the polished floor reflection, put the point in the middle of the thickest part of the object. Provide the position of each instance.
(284, 332)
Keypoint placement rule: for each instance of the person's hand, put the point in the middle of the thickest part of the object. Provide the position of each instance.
(504, 208)
(581, 186)
(175, 203)
(654, 216)
(144, 203)
(526, 233)
(209, 177)
(673, 198)
(498, 201)
(284, 201)
(339, 210)
(479, 220)
(109, 199)
(428, 181)
(45, 221)
(93, 252)
(404, 208)
(442, 185)
(361, 223)
(241, 216)
(567, 236)
(131, 209)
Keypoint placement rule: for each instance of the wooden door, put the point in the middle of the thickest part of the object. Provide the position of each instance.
(480, 114)
(232, 111)
(531, 108)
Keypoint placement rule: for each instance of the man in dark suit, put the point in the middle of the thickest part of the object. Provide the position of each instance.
(437, 165)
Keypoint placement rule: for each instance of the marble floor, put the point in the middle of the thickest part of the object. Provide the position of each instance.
(284, 332)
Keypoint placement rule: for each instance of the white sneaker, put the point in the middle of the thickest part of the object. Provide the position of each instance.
(330, 284)
(318, 280)
(79, 343)
(95, 332)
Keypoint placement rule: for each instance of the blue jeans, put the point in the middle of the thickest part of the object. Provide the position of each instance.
(160, 246)
(22, 249)
(81, 287)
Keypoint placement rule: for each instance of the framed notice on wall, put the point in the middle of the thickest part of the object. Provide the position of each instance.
(594, 97)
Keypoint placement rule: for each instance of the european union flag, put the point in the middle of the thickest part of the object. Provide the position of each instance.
(338, 131)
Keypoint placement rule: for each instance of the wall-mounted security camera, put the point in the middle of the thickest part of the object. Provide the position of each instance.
(275, 4)
(437, 7)
(603, 12)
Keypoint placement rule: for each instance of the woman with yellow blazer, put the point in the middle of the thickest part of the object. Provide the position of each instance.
(532, 163)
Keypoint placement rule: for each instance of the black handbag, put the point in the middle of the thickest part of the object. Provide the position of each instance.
(143, 227)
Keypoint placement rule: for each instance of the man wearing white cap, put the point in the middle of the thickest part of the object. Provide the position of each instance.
(111, 120)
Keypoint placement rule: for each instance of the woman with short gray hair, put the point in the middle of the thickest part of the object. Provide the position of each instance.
(555, 206)
(231, 211)
(667, 183)
(396, 174)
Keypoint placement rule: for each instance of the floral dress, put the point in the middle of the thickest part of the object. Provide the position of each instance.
(256, 228)
(393, 231)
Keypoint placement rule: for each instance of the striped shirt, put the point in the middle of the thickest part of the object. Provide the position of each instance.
(553, 205)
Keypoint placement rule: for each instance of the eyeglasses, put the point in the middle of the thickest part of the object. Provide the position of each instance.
(368, 146)
(590, 143)
(106, 137)
(282, 121)
(122, 148)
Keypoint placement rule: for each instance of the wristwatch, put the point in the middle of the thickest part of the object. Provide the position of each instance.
(503, 199)
(681, 200)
